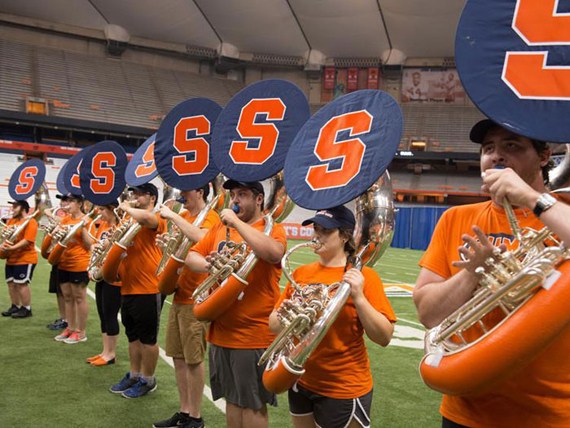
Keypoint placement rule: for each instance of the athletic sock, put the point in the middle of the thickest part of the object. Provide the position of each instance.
(29, 308)
(150, 380)
(135, 375)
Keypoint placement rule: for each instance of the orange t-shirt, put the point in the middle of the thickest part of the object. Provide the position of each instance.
(102, 234)
(188, 280)
(138, 269)
(28, 254)
(537, 395)
(339, 367)
(246, 324)
(75, 258)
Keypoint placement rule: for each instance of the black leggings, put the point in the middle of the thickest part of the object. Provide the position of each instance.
(108, 299)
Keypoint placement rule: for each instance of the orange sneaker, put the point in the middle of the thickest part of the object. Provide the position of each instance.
(63, 335)
(102, 362)
(93, 358)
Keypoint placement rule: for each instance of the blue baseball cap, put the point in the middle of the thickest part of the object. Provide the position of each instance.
(253, 185)
(145, 189)
(333, 218)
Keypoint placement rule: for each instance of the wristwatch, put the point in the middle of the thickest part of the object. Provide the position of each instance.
(544, 202)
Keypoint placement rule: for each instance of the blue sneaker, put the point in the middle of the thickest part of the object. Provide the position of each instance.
(139, 389)
(125, 383)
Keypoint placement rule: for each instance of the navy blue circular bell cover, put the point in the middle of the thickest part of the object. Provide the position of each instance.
(27, 179)
(141, 168)
(102, 173)
(513, 82)
(343, 149)
(71, 173)
(256, 128)
(182, 150)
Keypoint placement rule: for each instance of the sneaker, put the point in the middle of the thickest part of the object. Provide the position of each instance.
(76, 337)
(12, 309)
(124, 384)
(22, 313)
(193, 423)
(58, 324)
(139, 389)
(176, 420)
(63, 335)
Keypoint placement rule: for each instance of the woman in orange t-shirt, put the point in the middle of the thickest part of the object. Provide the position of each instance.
(72, 272)
(336, 388)
(107, 295)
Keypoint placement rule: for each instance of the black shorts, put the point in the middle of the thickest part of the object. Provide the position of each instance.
(54, 281)
(330, 412)
(19, 274)
(75, 278)
(447, 423)
(141, 317)
(235, 376)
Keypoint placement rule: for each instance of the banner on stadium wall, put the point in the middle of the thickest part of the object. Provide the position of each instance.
(373, 81)
(328, 78)
(296, 231)
(419, 85)
(352, 79)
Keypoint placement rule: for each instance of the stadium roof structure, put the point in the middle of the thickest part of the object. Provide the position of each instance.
(289, 28)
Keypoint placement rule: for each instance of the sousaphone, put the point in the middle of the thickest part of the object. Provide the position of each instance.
(27, 180)
(340, 154)
(250, 142)
(184, 161)
(102, 182)
(140, 169)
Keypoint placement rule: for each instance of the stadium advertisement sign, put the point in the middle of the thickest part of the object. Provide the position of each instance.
(419, 85)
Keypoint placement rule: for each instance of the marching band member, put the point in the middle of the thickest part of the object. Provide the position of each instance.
(21, 262)
(107, 296)
(54, 288)
(239, 337)
(514, 167)
(72, 272)
(185, 335)
(142, 302)
(336, 388)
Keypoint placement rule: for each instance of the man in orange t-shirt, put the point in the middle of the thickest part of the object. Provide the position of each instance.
(185, 335)
(516, 168)
(336, 388)
(142, 302)
(239, 337)
(21, 260)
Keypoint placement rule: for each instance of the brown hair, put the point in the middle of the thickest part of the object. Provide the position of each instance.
(541, 146)
(349, 245)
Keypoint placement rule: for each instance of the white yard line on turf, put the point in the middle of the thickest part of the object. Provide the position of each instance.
(411, 322)
(220, 404)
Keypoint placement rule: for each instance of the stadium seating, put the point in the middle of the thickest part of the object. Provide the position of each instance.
(447, 124)
(104, 90)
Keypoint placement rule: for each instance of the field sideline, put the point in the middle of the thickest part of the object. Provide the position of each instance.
(48, 384)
